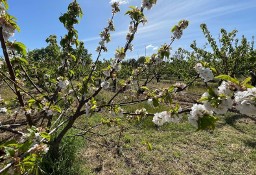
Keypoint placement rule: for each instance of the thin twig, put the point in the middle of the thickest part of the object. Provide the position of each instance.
(10, 130)
(35, 86)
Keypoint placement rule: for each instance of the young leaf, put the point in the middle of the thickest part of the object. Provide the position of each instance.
(56, 108)
(155, 102)
(246, 81)
(207, 122)
(23, 60)
(45, 135)
(228, 78)
(20, 48)
(149, 146)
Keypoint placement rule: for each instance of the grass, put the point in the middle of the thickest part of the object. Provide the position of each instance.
(171, 149)
(176, 149)
(139, 147)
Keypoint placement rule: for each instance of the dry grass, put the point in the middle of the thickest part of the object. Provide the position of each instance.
(176, 148)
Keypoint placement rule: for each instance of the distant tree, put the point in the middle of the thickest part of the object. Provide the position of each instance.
(231, 57)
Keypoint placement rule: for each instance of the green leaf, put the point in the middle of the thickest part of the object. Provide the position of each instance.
(213, 69)
(249, 86)
(56, 108)
(246, 81)
(9, 143)
(228, 78)
(155, 102)
(25, 146)
(168, 98)
(212, 93)
(71, 73)
(23, 60)
(45, 135)
(31, 102)
(73, 57)
(207, 122)
(20, 48)
(31, 157)
(203, 99)
(147, 60)
(149, 146)
(9, 151)
(174, 28)
(5, 4)
(145, 88)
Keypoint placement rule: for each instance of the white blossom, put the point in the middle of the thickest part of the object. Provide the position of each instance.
(29, 111)
(8, 30)
(116, 66)
(150, 101)
(1, 100)
(197, 111)
(1, 63)
(128, 36)
(107, 73)
(46, 76)
(144, 21)
(3, 110)
(38, 137)
(49, 113)
(160, 118)
(131, 28)
(70, 91)
(105, 84)
(98, 49)
(87, 108)
(2, 10)
(198, 67)
(221, 108)
(119, 56)
(63, 84)
(130, 47)
(158, 60)
(148, 4)
(246, 102)
(205, 73)
(141, 111)
(224, 88)
(177, 34)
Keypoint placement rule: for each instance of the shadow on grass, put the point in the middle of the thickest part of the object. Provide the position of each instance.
(250, 143)
(232, 121)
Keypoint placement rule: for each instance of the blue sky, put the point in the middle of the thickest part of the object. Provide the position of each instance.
(39, 19)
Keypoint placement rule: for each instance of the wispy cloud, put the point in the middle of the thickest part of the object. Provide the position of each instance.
(216, 14)
(120, 1)
(149, 46)
(155, 48)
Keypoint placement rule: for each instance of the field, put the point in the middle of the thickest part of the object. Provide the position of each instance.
(142, 148)
(139, 147)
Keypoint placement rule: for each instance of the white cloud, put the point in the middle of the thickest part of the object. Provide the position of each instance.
(149, 46)
(155, 48)
(120, 1)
